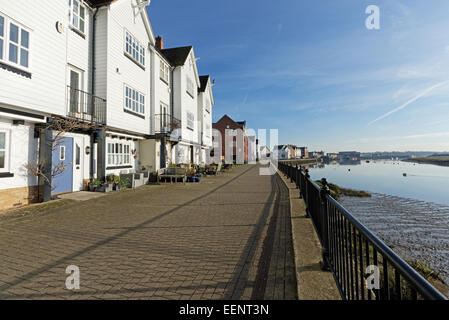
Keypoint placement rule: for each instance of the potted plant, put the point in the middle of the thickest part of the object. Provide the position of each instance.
(94, 185)
(189, 175)
(111, 182)
(122, 184)
(108, 186)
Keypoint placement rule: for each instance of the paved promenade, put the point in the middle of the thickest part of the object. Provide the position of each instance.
(228, 237)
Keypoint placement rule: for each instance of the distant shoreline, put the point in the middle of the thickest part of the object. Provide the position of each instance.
(439, 161)
(300, 161)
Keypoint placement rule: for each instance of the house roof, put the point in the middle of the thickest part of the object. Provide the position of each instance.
(204, 80)
(143, 13)
(177, 56)
(241, 124)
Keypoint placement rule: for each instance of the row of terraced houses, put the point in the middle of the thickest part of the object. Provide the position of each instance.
(97, 67)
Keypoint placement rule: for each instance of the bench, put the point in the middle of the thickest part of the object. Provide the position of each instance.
(172, 173)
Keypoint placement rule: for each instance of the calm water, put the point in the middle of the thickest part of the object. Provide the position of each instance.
(423, 182)
(410, 213)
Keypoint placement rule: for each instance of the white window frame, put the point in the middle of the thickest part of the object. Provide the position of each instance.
(164, 71)
(6, 150)
(133, 49)
(118, 153)
(2, 39)
(190, 120)
(134, 100)
(79, 19)
(190, 87)
(6, 38)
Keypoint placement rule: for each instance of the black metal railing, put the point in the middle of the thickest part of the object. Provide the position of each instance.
(364, 267)
(85, 107)
(165, 123)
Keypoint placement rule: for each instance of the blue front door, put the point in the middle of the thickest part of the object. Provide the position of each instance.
(63, 166)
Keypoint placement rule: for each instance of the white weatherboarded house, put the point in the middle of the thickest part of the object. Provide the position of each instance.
(205, 104)
(45, 72)
(124, 64)
(186, 82)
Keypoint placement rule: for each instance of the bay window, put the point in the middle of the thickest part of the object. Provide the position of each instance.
(119, 154)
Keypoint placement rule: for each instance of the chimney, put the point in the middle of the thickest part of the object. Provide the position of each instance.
(159, 43)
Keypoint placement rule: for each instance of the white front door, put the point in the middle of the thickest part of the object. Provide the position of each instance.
(78, 164)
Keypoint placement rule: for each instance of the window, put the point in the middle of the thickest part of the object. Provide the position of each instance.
(14, 43)
(134, 50)
(78, 15)
(164, 115)
(190, 87)
(61, 153)
(164, 71)
(134, 100)
(119, 154)
(2, 36)
(77, 155)
(190, 120)
(4, 151)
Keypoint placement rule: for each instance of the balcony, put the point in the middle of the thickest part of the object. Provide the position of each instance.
(165, 123)
(85, 107)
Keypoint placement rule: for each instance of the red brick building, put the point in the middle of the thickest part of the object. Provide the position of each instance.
(233, 137)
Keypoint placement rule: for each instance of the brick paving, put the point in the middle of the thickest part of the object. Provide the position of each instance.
(228, 237)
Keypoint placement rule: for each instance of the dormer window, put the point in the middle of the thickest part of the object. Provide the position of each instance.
(78, 15)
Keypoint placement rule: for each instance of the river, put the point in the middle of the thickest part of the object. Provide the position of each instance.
(410, 213)
(424, 182)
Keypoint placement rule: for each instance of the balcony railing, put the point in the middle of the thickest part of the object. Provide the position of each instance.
(353, 253)
(165, 123)
(85, 107)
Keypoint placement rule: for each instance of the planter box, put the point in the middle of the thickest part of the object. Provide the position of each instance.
(105, 188)
(135, 179)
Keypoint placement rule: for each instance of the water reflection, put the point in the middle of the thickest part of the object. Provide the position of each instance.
(403, 179)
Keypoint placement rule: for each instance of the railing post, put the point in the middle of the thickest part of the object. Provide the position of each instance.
(291, 173)
(92, 114)
(297, 176)
(324, 192)
(306, 194)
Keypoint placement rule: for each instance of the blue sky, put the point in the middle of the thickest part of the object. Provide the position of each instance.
(314, 71)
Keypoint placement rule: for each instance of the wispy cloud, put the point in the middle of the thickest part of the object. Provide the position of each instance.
(408, 137)
(403, 106)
